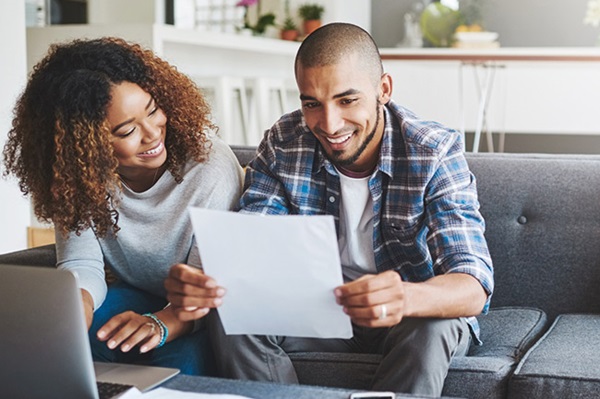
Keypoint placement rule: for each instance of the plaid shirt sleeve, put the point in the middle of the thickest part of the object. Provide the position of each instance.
(431, 224)
(456, 228)
(263, 192)
(270, 174)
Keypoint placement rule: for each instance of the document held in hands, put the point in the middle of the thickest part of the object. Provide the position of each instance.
(279, 272)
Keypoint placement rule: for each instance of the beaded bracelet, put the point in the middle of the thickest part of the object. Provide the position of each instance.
(164, 331)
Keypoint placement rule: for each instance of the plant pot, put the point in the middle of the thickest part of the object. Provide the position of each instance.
(245, 32)
(310, 25)
(291, 34)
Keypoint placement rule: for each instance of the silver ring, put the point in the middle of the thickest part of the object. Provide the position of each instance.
(383, 314)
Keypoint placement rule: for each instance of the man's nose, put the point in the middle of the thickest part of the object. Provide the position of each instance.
(331, 120)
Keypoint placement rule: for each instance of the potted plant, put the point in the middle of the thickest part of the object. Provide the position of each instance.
(289, 30)
(311, 14)
(246, 27)
(263, 22)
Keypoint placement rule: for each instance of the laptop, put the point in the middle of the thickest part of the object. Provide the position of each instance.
(44, 347)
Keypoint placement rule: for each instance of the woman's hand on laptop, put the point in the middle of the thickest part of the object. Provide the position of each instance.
(191, 292)
(129, 329)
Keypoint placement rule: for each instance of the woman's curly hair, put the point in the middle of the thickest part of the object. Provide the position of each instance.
(59, 144)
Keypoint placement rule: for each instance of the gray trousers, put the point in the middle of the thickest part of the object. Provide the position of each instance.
(416, 353)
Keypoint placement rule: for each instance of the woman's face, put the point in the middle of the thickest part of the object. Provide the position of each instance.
(138, 130)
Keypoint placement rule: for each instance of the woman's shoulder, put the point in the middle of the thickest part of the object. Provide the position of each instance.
(218, 156)
(219, 164)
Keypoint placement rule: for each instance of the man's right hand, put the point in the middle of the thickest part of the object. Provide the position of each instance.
(191, 292)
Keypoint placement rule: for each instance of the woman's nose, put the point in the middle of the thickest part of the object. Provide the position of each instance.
(152, 131)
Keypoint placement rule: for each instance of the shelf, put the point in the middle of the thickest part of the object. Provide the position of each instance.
(261, 45)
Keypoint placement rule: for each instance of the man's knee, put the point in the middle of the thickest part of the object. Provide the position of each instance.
(430, 338)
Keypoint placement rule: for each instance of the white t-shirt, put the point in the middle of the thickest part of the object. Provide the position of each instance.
(356, 228)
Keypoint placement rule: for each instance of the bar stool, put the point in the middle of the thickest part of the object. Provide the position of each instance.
(230, 104)
(268, 103)
(484, 74)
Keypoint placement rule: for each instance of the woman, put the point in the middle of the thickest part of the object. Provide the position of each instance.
(113, 145)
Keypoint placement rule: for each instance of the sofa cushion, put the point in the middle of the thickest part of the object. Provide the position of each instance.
(507, 333)
(563, 363)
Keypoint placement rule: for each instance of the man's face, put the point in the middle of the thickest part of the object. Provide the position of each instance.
(343, 109)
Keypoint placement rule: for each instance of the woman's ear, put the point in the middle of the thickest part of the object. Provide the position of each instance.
(385, 88)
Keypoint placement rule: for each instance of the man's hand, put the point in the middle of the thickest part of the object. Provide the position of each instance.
(191, 292)
(374, 300)
(382, 300)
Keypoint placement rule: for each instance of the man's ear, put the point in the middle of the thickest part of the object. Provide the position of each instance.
(385, 88)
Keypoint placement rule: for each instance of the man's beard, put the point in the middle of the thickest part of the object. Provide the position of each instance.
(354, 157)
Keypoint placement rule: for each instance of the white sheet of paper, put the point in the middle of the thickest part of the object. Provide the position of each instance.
(279, 272)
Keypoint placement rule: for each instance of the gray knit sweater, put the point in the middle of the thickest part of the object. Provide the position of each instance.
(156, 231)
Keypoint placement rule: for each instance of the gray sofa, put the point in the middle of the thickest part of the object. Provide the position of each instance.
(541, 338)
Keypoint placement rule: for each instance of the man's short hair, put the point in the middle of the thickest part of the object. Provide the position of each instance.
(330, 43)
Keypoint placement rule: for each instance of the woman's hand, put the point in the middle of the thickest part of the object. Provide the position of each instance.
(129, 329)
(191, 292)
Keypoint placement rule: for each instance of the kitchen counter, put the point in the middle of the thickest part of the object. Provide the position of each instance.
(578, 54)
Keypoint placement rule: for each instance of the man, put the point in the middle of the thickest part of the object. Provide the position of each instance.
(405, 204)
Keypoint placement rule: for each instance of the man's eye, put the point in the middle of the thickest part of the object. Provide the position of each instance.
(310, 105)
(347, 101)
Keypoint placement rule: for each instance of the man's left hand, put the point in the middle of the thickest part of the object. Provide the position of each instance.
(374, 300)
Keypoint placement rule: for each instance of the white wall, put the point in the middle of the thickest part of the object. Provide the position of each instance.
(354, 11)
(101, 12)
(14, 209)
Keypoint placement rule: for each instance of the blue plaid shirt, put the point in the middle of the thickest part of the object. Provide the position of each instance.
(427, 219)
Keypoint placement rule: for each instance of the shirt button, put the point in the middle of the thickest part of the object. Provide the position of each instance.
(522, 219)
(332, 199)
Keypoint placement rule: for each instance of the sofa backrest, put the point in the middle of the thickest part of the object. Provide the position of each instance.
(542, 215)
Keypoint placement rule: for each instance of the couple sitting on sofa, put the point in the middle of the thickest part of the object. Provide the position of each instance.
(113, 144)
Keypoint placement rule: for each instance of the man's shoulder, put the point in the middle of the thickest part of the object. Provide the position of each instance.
(421, 135)
(289, 130)
(289, 137)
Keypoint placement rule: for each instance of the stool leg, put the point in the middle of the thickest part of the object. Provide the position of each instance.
(263, 105)
(223, 101)
(234, 87)
(281, 94)
(243, 107)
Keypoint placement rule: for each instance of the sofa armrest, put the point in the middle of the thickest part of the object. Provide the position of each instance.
(38, 256)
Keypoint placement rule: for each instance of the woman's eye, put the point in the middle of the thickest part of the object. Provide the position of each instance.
(153, 111)
(127, 133)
